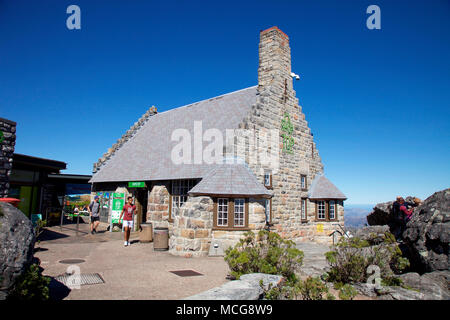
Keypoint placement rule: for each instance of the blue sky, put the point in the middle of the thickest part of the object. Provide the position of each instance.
(377, 101)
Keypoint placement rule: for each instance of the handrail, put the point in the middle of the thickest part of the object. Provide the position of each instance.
(344, 232)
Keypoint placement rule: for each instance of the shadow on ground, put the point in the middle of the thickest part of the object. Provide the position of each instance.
(48, 235)
(58, 290)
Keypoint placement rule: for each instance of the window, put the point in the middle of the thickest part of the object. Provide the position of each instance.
(179, 190)
(222, 212)
(268, 180)
(303, 213)
(326, 210)
(230, 213)
(239, 212)
(321, 210)
(331, 210)
(303, 181)
(268, 209)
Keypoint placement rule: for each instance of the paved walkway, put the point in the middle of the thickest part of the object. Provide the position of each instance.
(134, 272)
(314, 261)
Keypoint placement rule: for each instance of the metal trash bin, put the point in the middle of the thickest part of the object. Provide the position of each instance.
(161, 239)
(146, 233)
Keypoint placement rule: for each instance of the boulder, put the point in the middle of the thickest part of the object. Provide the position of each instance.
(433, 286)
(373, 234)
(398, 293)
(427, 234)
(16, 246)
(248, 287)
(366, 289)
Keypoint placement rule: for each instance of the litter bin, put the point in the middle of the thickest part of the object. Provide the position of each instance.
(161, 239)
(146, 234)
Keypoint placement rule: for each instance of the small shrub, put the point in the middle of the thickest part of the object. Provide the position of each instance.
(330, 297)
(347, 292)
(392, 282)
(266, 253)
(282, 292)
(350, 259)
(31, 285)
(313, 289)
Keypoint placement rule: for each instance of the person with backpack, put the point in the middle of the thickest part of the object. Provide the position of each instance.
(94, 212)
(401, 216)
(128, 212)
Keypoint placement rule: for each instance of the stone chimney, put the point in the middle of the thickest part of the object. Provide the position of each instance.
(274, 59)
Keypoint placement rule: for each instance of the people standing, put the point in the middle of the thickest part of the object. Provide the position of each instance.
(94, 212)
(401, 215)
(128, 213)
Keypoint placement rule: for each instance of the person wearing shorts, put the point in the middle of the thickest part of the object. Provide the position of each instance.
(128, 213)
(94, 212)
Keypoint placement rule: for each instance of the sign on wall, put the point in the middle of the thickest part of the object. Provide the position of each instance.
(136, 184)
(118, 201)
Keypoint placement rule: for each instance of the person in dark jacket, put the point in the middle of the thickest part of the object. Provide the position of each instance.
(400, 216)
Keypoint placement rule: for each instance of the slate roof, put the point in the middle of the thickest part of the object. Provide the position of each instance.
(230, 179)
(322, 188)
(147, 155)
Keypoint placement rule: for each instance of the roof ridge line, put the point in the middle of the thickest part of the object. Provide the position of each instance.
(207, 99)
(131, 132)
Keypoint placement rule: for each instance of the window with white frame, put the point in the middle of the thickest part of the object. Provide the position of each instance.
(180, 189)
(239, 212)
(303, 181)
(267, 179)
(267, 208)
(326, 210)
(230, 214)
(331, 210)
(303, 215)
(222, 212)
(321, 210)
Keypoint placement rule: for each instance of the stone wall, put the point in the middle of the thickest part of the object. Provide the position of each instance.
(319, 231)
(158, 206)
(192, 228)
(8, 142)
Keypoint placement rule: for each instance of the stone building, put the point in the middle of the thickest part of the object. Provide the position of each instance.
(267, 174)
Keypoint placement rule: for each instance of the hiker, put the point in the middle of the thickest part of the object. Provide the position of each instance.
(407, 213)
(401, 215)
(94, 212)
(129, 210)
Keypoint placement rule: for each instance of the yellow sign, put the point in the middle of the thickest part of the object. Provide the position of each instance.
(320, 227)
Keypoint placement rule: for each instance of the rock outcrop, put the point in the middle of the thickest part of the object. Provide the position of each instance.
(427, 234)
(246, 288)
(430, 286)
(16, 246)
(382, 214)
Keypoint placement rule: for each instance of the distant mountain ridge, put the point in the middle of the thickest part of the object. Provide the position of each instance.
(355, 215)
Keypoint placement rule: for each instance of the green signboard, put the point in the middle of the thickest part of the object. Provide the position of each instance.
(118, 201)
(136, 184)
